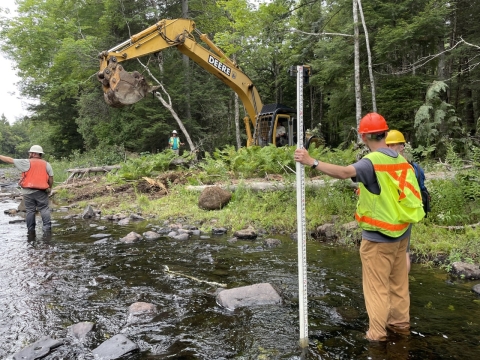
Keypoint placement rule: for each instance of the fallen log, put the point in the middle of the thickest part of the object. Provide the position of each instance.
(268, 186)
(81, 173)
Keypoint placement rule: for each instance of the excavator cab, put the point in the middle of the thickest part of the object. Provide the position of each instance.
(270, 120)
(277, 124)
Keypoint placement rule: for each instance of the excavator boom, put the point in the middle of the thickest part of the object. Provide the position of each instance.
(123, 88)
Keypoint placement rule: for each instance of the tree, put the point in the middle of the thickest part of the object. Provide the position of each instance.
(436, 121)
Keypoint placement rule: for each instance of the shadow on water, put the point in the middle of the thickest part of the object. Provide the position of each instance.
(49, 284)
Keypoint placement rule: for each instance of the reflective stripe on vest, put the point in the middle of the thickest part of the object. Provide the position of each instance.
(381, 224)
(392, 169)
(36, 177)
(399, 202)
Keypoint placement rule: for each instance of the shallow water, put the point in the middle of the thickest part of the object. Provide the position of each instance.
(49, 284)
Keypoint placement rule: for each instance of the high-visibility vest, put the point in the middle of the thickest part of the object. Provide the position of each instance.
(399, 203)
(36, 177)
(175, 142)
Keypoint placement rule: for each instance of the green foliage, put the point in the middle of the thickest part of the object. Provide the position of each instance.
(105, 155)
(147, 165)
(435, 119)
(14, 139)
(454, 201)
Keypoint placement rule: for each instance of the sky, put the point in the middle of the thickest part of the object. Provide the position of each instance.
(11, 104)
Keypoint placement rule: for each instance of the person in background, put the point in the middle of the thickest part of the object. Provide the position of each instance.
(36, 183)
(280, 135)
(174, 142)
(396, 141)
(385, 218)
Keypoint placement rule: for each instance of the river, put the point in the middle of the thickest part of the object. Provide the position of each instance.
(50, 284)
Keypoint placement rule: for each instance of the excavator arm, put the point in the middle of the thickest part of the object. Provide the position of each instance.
(123, 88)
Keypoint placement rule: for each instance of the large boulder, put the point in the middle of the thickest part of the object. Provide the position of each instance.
(247, 296)
(214, 198)
(465, 270)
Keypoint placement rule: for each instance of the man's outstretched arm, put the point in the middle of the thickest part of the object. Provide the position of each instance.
(6, 159)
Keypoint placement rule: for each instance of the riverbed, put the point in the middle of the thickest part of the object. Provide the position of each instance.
(50, 283)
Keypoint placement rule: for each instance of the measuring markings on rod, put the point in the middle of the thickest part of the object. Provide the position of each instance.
(301, 221)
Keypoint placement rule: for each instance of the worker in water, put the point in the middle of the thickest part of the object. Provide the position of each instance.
(385, 218)
(36, 182)
(396, 141)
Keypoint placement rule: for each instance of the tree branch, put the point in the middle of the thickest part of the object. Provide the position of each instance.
(320, 34)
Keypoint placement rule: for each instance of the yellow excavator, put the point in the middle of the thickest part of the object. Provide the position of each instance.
(122, 88)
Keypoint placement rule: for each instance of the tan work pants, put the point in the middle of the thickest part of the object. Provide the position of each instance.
(385, 286)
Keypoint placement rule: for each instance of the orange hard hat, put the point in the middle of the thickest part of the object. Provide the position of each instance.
(372, 123)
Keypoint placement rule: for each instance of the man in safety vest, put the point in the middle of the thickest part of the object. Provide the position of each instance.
(174, 142)
(396, 141)
(36, 182)
(388, 203)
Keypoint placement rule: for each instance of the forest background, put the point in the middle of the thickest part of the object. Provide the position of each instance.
(424, 57)
(416, 45)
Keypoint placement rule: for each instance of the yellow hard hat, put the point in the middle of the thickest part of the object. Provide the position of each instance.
(394, 137)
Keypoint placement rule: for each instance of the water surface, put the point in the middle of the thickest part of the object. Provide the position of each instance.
(50, 284)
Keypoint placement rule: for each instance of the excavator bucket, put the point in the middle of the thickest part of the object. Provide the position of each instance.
(122, 88)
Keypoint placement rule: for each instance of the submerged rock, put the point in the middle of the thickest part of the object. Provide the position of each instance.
(125, 221)
(219, 231)
(80, 330)
(38, 349)
(131, 238)
(182, 237)
(141, 312)
(114, 348)
(151, 235)
(271, 242)
(246, 234)
(247, 296)
(476, 289)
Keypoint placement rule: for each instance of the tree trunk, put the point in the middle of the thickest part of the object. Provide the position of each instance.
(358, 93)
(369, 55)
(441, 59)
(168, 105)
(311, 108)
(237, 121)
(186, 66)
(237, 114)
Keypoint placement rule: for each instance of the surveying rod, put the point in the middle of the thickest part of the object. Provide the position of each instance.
(301, 221)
